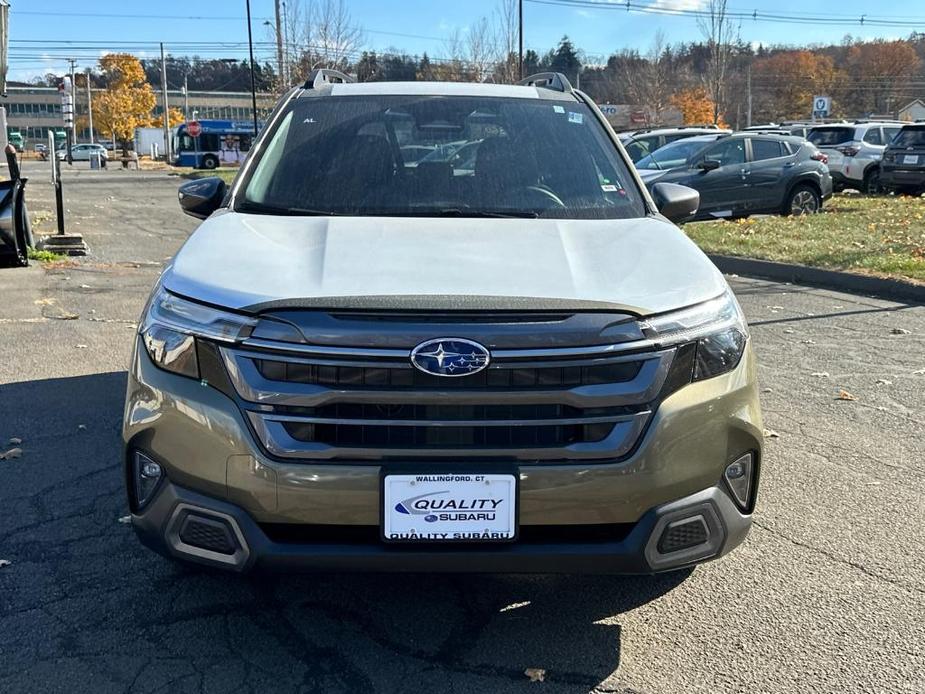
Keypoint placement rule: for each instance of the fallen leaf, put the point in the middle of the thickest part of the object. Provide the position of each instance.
(4, 562)
(884, 382)
(80, 346)
(790, 331)
(900, 331)
(767, 390)
(125, 519)
(12, 453)
(919, 372)
(808, 342)
(536, 674)
(820, 374)
(15, 441)
(845, 395)
(771, 434)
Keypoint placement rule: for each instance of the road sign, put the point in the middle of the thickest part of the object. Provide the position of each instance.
(193, 128)
(821, 106)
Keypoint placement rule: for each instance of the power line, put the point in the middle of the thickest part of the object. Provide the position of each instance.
(636, 7)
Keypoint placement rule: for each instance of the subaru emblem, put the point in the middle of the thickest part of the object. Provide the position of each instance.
(450, 356)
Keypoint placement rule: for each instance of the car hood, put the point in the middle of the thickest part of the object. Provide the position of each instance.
(255, 262)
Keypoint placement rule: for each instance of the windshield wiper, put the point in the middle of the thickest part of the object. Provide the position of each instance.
(260, 208)
(459, 212)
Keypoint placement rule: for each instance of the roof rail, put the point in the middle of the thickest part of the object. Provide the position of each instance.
(548, 80)
(322, 76)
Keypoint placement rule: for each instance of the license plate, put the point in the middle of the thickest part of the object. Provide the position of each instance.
(910, 159)
(449, 508)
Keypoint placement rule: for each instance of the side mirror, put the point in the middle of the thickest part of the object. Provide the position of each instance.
(675, 202)
(202, 197)
(708, 165)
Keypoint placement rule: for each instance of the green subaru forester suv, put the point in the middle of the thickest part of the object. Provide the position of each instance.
(441, 327)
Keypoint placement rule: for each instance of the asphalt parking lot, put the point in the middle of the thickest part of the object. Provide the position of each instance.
(826, 595)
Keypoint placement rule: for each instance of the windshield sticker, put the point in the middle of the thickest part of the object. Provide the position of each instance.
(558, 109)
(609, 188)
(576, 117)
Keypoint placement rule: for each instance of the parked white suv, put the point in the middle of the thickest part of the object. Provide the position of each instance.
(854, 151)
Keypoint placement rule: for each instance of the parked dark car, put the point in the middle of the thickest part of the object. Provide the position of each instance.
(751, 173)
(640, 143)
(903, 165)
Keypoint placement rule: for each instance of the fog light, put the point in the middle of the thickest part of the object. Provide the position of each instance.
(148, 475)
(739, 475)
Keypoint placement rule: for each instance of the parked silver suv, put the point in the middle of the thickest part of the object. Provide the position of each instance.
(854, 151)
(511, 361)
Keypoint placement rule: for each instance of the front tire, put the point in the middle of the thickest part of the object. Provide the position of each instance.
(802, 200)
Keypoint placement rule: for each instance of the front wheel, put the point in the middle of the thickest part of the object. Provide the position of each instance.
(802, 200)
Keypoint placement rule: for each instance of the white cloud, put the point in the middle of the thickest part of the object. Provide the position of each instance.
(678, 5)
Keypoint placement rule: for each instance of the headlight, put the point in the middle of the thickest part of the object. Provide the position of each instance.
(171, 325)
(716, 326)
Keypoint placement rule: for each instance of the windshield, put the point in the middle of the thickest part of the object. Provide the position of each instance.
(909, 137)
(672, 155)
(441, 156)
(825, 137)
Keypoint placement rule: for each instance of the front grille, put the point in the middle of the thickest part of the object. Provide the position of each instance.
(533, 403)
(438, 437)
(406, 376)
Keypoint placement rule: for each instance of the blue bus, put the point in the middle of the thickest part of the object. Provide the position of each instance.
(221, 143)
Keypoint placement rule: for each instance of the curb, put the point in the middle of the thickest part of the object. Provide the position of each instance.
(881, 287)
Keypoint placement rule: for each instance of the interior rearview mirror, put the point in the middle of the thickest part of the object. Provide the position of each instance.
(202, 197)
(676, 202)
(708, 164)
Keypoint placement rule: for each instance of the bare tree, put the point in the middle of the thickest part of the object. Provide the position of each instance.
(720, 34)
(323, 34)
(482, 49)
(507, 33)
(337, 36)
(652, 80)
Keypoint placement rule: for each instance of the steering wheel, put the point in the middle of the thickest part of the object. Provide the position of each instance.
(551, 200)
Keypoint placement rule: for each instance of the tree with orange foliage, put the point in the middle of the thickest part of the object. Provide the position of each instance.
(128, 100)
(785, 83)
(696, 107)
(174, 118)
(879, 69)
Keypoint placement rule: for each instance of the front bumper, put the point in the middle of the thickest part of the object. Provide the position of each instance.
(161, 525)
(214, 466)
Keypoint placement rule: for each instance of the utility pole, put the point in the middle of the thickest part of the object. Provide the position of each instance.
(186, 96)
(286, 69)
(72, 130)
(279, 43)
(90, 106)
(748, 87)
(520, 38)
(166, 109)
(250, 46)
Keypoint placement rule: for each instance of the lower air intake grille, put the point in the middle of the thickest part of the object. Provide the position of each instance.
(683, 534)
(206, 533)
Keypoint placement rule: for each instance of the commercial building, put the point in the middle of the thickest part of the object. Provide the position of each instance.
(33, 111)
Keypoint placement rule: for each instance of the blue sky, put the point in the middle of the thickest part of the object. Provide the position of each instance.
(597, 31)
